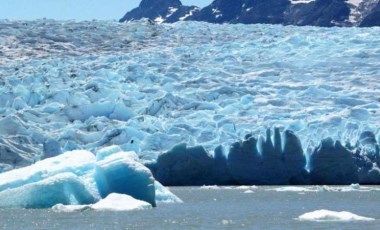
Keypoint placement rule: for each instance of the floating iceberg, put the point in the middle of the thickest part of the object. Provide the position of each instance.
(81, 178)
(326, 215)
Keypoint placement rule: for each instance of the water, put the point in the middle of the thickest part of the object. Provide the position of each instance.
(226, 208)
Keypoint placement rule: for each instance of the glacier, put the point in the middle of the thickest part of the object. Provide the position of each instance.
(147, 88)
(77, 180)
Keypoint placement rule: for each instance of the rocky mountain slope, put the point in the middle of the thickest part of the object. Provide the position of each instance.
(326, 13)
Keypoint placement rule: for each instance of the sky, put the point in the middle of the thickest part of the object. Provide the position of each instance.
(73, 9)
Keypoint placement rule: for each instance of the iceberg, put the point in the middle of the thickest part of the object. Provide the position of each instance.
(78, 178)
(327, 215)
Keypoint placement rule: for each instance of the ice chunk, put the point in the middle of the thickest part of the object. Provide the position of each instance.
(210, 187)
(65, 188)
(120, 202)
(294, 189)
(118, 173)
(70, 208)
(326, 215)
(51, 148)
(113, 202)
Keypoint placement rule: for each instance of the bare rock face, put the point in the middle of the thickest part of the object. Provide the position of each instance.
(160, 11)
(373, 18)
(326, 13)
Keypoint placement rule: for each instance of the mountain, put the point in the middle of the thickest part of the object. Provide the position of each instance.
(160, 11)
(372, 19)
(324, 13)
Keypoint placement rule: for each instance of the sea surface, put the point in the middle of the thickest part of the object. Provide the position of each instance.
(218, 208)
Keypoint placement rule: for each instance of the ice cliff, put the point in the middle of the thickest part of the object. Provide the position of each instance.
(261, 161)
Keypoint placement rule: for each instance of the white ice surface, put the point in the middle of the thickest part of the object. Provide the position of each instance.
(326, 215)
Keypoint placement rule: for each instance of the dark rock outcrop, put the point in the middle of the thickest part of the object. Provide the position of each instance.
(325, 13)
(373, 18)
(219, 11)
(160, 11)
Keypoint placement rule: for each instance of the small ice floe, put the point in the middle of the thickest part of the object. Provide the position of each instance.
(243, 187)
(226, 222)
(113, 202)
(294, 189)
(327, 215)
(120, 202)
(210, 187)
(325, 188)
(70, 208)
(350, 188)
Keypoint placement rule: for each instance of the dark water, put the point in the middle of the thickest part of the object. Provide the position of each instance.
(214, 209)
